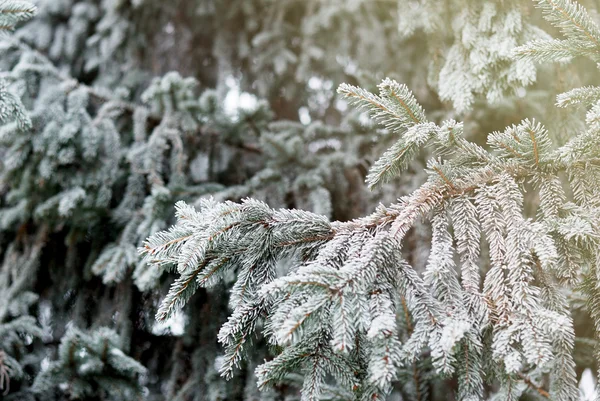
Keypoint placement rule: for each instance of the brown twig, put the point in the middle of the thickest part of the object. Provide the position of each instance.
(534, 386)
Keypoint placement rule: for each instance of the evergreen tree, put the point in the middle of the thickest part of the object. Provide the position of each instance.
(479, 282)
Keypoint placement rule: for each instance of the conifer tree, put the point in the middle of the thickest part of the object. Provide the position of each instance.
(437, 240)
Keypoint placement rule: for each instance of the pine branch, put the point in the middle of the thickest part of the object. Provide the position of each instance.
(572, 19)
(345, 277)
(14, 11)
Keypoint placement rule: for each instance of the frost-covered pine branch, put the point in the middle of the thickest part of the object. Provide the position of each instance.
(91, 365)
(14, 11)
(348, 280)
(11, 13)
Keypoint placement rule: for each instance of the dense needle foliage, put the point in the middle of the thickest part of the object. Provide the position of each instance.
(430, 231)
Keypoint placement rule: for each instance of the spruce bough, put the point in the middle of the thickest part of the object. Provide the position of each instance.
(339, 301)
